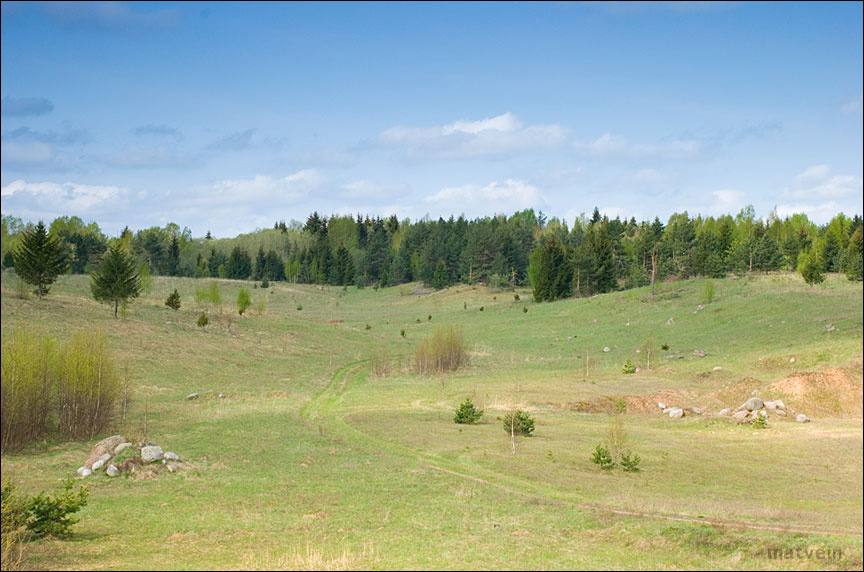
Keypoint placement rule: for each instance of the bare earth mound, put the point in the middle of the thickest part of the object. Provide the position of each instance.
(832, 392)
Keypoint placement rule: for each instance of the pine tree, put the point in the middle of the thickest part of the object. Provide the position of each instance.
(116, 279)
(39, 259)
(173, 300)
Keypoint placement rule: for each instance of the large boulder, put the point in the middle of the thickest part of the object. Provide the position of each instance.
(112, 471)
(676, 412)
(753, 404)
(151, 453)
(84, 472)
(104, 446)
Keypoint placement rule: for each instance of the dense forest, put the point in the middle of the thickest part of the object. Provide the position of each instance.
(596, 255)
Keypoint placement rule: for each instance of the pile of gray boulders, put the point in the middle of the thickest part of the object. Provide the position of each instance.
(115, 455)
(753, 407)
(745, 413)
(679, 412)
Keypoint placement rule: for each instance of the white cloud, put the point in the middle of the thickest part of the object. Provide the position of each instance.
(853, 106)
(62, 198)
(618, 145)
(499, 135)
(816, 182)
(812, 174)
(820, 213)
(496, 197)
(261, 191)
(728, 201)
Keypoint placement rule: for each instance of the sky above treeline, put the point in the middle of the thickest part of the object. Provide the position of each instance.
(230, 116)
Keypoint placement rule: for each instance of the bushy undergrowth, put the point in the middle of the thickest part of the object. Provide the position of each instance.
(444, 351)
(70, 387)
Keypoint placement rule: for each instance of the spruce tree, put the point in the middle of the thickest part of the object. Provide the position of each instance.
(116, 280)
(39, 259)
(173, 300)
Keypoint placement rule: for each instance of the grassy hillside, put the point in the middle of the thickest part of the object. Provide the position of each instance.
(310, 461)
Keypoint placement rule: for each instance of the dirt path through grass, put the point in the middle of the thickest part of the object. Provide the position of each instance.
(324, 409)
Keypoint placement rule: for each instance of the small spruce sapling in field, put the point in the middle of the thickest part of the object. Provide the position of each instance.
(524, 309)
(51, 515)
(630, 462)
(628, 367)
(203, 320)
(519, 423)
(173, 300)
(760, 422)
(467, 413)
(602, 457)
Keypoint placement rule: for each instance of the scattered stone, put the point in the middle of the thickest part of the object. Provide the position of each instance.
(221, 396)
(661, 405)
(801, 418)
(792, 359)
(106, 445)
(700, 353)
(670, 321)
(112, 470)
(169, 456)
(763, 413)
(668, 410)
(724, 412)
(779, 404)
(830, 328)
(770, 405)
(607, 349)
(676, 413)
(718, 367)
(740, 416)
(98, 464)
(192, 396)
(780, 412)
(754, 392)
(151, 453)
(698, 410)
(754, 403)
(121, 446)
(83, 472)
(171, 467)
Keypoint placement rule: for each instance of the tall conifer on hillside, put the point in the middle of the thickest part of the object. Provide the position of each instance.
(39, 259)
(116, 279)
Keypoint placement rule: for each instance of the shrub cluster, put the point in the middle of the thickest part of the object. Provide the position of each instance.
(74, 385)
(444, 351)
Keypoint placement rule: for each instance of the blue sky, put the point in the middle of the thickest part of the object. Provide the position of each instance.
(228, 117)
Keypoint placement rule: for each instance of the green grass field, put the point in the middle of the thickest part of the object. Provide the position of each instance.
(313, 462)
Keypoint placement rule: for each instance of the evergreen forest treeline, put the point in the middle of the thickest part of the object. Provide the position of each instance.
(595, 255)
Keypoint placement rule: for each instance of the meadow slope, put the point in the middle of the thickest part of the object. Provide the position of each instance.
(311, 461)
